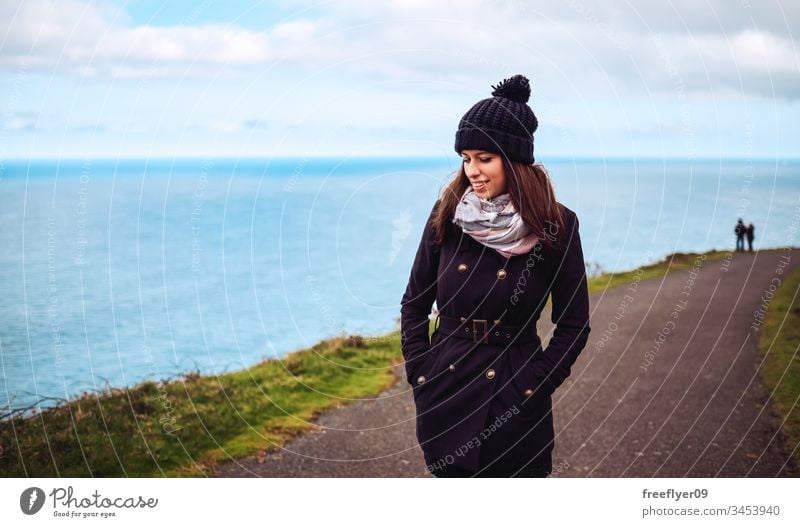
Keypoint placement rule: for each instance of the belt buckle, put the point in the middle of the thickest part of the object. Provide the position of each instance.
(485, 331)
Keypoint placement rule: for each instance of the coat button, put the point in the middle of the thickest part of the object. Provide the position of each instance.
(463, 268)
(452, 368)
(501, 274)
(490, 374)
(420, 379)
(528, 392)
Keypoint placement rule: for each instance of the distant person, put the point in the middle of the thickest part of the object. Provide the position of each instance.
(751, 233)
(740, 230)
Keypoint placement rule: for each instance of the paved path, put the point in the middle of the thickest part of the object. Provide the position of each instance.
(667, 386)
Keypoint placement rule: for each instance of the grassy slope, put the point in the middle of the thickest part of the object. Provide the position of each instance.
(673, 262)
(780, 345)
(183, 427)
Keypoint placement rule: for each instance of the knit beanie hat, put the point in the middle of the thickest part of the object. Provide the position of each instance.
(503, 124)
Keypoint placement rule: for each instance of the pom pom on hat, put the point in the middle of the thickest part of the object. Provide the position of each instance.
(516, 88)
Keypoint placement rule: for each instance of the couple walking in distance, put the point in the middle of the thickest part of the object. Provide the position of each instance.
(741, 230)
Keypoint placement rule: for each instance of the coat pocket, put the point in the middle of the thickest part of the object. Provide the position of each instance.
(427, 372)
(528, 389)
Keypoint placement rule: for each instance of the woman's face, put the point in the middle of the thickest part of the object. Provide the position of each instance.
(485, 172)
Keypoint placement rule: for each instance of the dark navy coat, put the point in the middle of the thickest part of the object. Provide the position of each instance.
(484, 409)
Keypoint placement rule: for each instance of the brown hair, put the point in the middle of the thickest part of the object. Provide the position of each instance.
(531, 193)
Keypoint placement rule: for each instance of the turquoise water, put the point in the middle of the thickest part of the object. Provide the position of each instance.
(115, 272)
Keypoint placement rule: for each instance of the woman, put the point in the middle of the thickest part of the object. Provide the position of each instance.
(496, 244)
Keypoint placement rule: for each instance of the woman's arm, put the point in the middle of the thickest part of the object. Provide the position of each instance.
(570, 314)
(418, 299)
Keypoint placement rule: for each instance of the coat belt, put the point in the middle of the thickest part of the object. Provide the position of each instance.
(485, 331)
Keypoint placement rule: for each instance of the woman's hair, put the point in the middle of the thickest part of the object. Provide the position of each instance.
(531, 193)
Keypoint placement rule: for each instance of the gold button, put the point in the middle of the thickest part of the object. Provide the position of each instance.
(452, 368)
(420, 379)
(490, 374)
(528, 392)
(501, 274)
(463, 268)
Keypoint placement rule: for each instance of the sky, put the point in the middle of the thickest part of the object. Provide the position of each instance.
(679, 79)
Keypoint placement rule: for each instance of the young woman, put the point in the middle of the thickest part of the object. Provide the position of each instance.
(495, 245)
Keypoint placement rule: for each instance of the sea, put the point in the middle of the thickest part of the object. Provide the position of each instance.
(115, 271)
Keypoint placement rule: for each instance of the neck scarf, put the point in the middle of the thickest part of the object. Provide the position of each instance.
(495, 223)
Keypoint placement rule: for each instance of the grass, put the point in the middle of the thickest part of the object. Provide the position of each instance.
(185, 427)
(673, 262)
(779, 344)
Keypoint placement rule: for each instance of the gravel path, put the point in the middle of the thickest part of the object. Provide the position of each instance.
(667, 386)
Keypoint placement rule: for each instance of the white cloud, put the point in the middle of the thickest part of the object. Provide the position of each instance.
(760, 51)
(361, 74)
(84, 40)
(577, 46)
(20, 123)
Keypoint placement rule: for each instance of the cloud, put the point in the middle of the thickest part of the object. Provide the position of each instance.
(583, 48)
(591, 48)
(85, 40)
(25, 122)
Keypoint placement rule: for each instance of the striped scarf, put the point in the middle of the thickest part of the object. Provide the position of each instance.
(495, 223)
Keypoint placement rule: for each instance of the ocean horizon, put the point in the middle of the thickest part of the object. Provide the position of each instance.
(117, 271)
